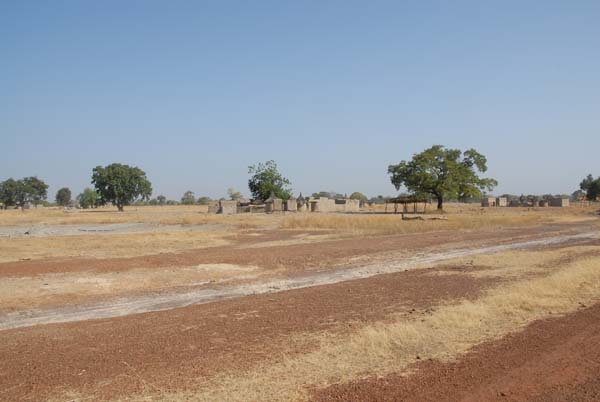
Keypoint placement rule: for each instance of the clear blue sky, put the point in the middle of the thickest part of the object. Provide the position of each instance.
(195, 91)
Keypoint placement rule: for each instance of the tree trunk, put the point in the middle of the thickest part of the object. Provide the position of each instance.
(440, 201)
(120, 208)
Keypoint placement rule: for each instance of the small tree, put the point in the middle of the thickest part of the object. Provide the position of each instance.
(591, 187)
(358, 196)
(121, 184)
(233, 195)
(443, 173)
(88, 198)
(188, 198)
(203, 200)
(63, 197)
(267, 180)
(161, 200)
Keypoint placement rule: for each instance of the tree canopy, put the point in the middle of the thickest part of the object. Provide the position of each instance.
(203, 200)
(88, 198)
(358, 196)
(63, 197)
(121, 184)
(591, 187)
(443, 173)
(267, 180)
(20, 192)
(233, 194)
(189, 198)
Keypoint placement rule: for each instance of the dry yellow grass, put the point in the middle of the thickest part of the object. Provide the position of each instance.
(108, 245)
(459, 216)
(386, 348)
(516, 264)
(166, 215)
(393, 224)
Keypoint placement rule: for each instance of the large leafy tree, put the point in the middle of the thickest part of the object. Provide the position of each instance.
(121, 184)
(267, 180)
(12, 192)
(63, 197)
(591, 187)
(20, 192)
(443, 173)
(36, 191)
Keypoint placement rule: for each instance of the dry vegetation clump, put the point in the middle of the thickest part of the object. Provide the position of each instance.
(384, 348)
(459, 216)
(393, 224)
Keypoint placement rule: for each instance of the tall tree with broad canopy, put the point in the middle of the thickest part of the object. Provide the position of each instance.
(443, 173)
(267, 180)
(20, 192)
(36, 190)
(11, 192)
(63, 196)
(121, 184)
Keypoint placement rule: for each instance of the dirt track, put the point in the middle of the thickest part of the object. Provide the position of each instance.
(135, 305)
(293, 258)
(556, 360)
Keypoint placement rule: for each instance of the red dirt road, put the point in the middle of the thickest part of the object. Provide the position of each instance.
(556, 360)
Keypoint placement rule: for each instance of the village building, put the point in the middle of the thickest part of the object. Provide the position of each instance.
(290, 205)
(347, 205)
(559, 202)
(488, 202)
(273, 204)
(227, 207)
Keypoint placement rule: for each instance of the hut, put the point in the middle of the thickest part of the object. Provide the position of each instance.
(347, 205)
(559, 202)
(290, 205)
(227, 207)
(273, 204)
(488, 202)
(322, 204)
